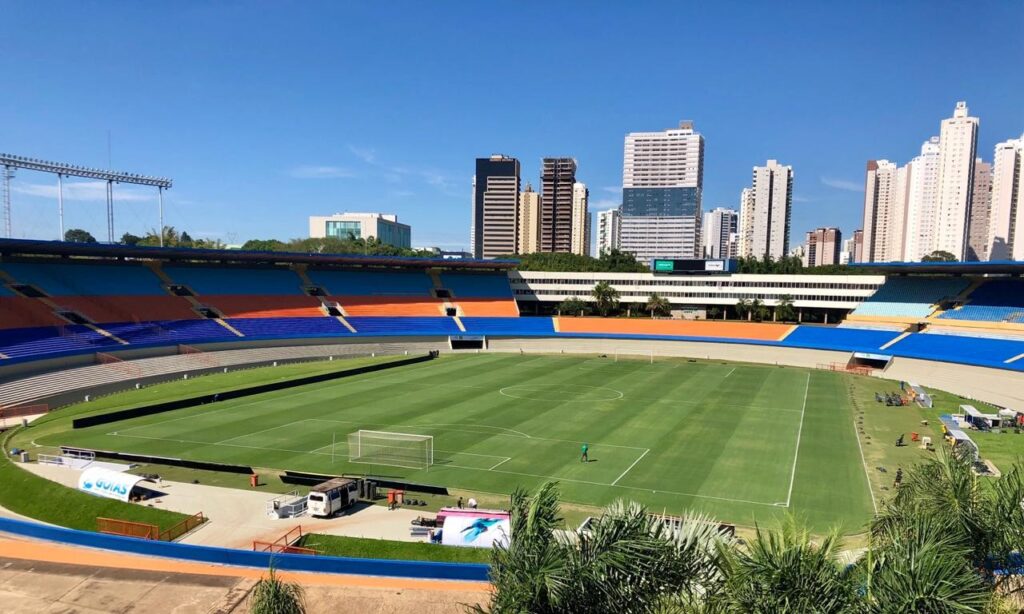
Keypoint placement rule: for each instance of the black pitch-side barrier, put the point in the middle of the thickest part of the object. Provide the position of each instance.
(164, 460)
(159, 408)
(312, 479)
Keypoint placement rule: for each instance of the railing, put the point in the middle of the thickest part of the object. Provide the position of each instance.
(839, 366)
(125, 528)
(21, 411)
(117, 364)
(283, 544)
(183, 527)
(199, 355)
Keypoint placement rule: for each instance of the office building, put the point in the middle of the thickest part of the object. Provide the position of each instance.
(922, 199)
(529, 221)
(981, 208)
(958, 143)
(662, 179)
(823, 247)
(765, 212)
(383, 227)
(580, 219)
(720, 227)
(886, 189)
(1006, 226)
(495, 224)
(609, 230)
(557, 178)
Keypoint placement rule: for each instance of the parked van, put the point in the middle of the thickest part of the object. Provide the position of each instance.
(332, 496)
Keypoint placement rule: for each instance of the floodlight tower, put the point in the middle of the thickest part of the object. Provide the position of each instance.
(8, 175)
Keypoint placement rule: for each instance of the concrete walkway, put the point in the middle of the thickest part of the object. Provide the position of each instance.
(238, 517)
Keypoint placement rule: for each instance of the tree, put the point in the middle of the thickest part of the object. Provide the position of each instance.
(77, 235)
(784, 310)
(939, 256)
(573, 306)
(130, 239)
(658, 305)
(613, 261)
(263, 245)
(185, 240)
(714, 313)
(272, 596)
(743, 309)
(606, 297)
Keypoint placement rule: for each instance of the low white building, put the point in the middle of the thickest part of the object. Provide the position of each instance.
(382, 226)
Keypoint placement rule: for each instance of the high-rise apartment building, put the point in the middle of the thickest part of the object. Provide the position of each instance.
(981, 208)
(529, 221)
(720, 227)
(383, 227)
(557, 178)
(886, 189)
(958, 143)
(1006, 220)
(580, 219)
(822, 247)
(495, 226)
(765, 212)
(609, 230)
(851, 248)
(922, 200)
(662, 180)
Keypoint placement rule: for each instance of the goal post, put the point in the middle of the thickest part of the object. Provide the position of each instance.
(406, 450)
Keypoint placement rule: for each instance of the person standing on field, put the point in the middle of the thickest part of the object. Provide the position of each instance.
(583, 457)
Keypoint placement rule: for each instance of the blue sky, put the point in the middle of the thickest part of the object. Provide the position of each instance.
(265, 113)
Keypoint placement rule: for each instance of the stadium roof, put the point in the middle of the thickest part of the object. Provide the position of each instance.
(22, 247)
(994, 267)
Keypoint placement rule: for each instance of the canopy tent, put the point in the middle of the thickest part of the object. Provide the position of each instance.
(106, 483)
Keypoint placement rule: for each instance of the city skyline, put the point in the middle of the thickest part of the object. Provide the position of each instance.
(313, 123)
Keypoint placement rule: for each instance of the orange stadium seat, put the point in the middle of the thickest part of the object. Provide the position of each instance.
(22, 312)
(681, 328)
(129, 308)
(390, 305)
(270, 306)
(488, 307)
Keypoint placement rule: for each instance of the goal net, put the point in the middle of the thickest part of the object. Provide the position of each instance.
(392, 449)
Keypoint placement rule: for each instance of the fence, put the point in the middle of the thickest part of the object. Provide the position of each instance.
(183, 527)
(125, 528)
(839, 366)
(24, 410)
(283, 544)
(199, 355)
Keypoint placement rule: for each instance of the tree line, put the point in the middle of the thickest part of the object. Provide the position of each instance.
(171, 238)
(607, 301)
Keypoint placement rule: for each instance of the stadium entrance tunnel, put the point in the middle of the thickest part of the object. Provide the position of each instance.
(562, 393)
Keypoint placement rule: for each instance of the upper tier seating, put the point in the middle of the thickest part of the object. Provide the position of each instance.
(509, 326)
(390, 306)
(86, 279)
(225, 280)
(831, 338)
(468, 285)
(5, 291)
(373, 283)
(996, 300)
(289, 327)
(128, 308)
(405, 326)
(23, 312)
(248, 306)
(910, 297)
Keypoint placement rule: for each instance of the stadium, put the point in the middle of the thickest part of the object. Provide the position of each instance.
(426, 377)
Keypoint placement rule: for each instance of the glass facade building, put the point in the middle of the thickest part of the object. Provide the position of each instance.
(660, 202)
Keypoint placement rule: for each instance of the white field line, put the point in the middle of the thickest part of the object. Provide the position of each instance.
(623, 474)
(273, 428)
(864, 462)
(799, 432)
(729, 373)
(507, 459)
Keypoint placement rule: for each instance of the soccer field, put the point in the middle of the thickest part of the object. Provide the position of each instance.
(743, 442)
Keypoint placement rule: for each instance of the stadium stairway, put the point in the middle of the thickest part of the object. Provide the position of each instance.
(192, 300)
(300, 270)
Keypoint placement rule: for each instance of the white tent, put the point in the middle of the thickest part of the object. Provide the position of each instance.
(106, 483)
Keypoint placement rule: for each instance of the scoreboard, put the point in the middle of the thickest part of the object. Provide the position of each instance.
(692, 267)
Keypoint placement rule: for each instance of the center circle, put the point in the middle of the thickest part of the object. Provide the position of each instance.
(562, 393)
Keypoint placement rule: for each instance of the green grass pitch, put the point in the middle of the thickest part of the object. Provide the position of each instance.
(746, 443)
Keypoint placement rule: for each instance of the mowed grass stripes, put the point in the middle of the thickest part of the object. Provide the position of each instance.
(746, 443)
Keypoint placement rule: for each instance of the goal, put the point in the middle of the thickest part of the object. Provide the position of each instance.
(392, 449)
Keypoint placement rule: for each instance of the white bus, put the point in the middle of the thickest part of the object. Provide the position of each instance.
(332, 496)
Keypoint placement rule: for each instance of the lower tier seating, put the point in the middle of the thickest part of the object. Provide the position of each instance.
(509, 326)
(405, 326)
(51, 340)
(829, 338)
(288, 327)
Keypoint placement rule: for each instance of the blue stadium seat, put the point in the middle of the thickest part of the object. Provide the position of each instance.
(910, 297)
(960, 349)
(87, 279)
(50, 340)
(509, 326)
(996, 300)
(848, 339)
(225, 280)
(169, 332)
(373, 283)
(405, 326)
(470, 285)
(5, 291)
(289, 327)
